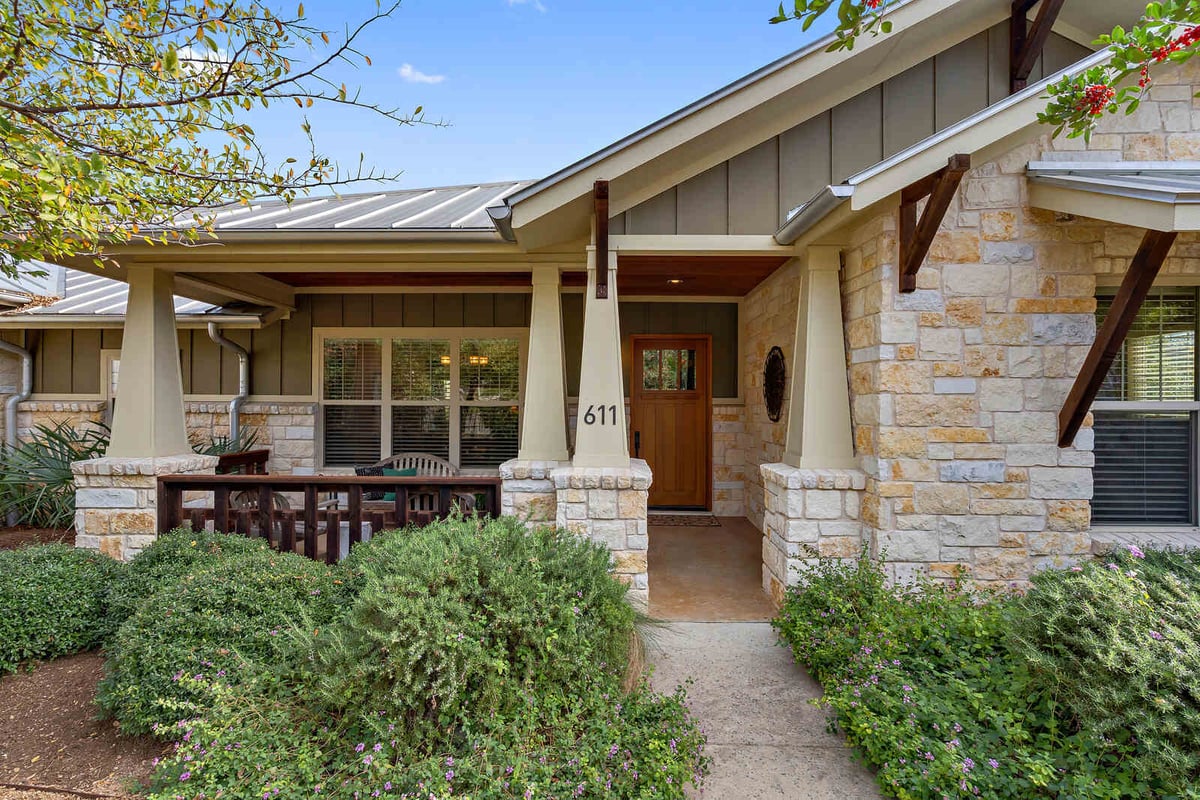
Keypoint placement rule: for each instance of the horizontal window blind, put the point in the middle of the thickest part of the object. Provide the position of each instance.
(1143, 473)
(353, 369)
(352, 435)
(488, 436)
(1158, 359)
(421, 429)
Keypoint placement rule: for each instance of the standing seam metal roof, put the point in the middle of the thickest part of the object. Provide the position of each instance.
(447, 208)
(81, 293)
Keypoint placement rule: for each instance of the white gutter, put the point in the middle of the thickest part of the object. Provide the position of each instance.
(10, 405)
(235, 405)
(806, 217)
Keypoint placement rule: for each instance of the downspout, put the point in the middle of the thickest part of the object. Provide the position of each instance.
(235, 405)
(10, 405)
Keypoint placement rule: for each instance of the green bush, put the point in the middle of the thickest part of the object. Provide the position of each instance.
(1118, 643)
(226, 619)
(172, 556)
(35, 476)
(924, 684)
(52, 602)
(478, 659)
(459, 619)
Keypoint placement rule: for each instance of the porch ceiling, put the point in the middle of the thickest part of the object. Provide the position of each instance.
(707, 276)
(312, 280)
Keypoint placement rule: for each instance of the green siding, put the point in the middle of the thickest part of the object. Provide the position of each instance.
(754, 191)
(719, 320)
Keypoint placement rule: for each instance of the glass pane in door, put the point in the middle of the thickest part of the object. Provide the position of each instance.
(651, 359)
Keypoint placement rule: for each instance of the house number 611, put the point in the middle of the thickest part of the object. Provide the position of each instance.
(605, 415)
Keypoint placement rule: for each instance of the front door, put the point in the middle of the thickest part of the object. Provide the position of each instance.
(671, 411)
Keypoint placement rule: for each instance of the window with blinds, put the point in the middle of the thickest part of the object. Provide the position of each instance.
(1146, 415)
(454, 397)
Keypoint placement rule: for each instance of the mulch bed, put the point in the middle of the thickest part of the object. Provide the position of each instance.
(12, 538)
(50, 737)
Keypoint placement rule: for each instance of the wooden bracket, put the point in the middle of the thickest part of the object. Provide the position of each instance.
(1026, 43)
(916, 237)
(1125, 306)
(600, 202)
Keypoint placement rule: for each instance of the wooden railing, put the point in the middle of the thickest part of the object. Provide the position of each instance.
(247, 462)
(262, 506)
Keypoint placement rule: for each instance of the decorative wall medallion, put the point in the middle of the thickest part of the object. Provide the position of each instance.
(774, 383)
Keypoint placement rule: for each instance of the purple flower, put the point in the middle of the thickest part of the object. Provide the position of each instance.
(387, 787)
(377, 748)
(185, 776)
(1155, 635)
(450, 775)
(993, 763)
(367, 760)
(1136, 552)
(358, 748)
(968, 765)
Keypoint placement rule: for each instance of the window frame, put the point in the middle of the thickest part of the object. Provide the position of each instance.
(1191, 407)
(455, 404)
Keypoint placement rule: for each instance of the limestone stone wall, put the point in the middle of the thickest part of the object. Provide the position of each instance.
(729, 461)
(768, 320)
(609, 507)
(809, 513)
(78, 414)
(527, 491)
(288, 429)
(956, 387)
(116, 500)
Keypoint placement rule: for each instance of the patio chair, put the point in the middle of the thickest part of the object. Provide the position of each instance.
(425, 464)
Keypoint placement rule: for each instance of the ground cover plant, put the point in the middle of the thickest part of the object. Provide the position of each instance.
(471, 659)
(952, 694)
(52, 602)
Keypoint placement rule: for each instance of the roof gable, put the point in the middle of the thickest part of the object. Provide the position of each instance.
(751, 111)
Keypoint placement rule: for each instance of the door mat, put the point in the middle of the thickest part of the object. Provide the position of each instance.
(684, 520)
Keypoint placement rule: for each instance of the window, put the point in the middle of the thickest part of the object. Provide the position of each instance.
(669, 370)
(456, 397)
(1146, 417)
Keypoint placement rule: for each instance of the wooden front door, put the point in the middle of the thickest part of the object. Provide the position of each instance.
(670, 415)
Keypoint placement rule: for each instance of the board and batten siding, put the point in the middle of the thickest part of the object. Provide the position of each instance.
(719, 320)
(69, 362)
(753, 192)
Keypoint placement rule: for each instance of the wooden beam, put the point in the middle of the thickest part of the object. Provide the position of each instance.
(916, 236)
(1125, 306)
(600, 200)
(1026, 43)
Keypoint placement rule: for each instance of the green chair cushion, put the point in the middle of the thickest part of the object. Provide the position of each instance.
(390, 497)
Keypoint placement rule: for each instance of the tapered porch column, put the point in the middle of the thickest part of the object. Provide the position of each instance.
(544, 415)
(149, 421)
(819, 434)
(601, 433)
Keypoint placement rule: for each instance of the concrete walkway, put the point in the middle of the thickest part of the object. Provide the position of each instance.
(766, 740)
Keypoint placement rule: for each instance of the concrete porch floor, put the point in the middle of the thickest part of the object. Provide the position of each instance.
(708, 574)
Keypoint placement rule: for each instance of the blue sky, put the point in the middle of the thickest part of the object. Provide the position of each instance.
(527, 86)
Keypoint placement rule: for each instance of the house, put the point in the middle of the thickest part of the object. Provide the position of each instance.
(852, 297)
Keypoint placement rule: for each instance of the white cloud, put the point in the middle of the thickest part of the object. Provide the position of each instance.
(413, 75)
(535, 3)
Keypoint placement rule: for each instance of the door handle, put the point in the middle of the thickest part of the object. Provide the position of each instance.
(637, 444)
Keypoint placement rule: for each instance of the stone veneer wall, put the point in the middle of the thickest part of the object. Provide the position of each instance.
(768, 320)
(956, 387)
(78, 414)
(288, 429)
(609, 507)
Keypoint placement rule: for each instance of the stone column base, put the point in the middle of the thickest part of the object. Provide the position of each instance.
(527, 491)
(808, 511)
(116, 500)
(608, 506)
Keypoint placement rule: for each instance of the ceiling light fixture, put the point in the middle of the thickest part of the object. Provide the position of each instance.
(674, 281)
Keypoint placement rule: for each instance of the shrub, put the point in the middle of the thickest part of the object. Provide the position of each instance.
(52, 602)
(35, 475)
(460, 618)
(924, 684)
(1118, 643)
(225, 619)
(478, 659)
(172, 556)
